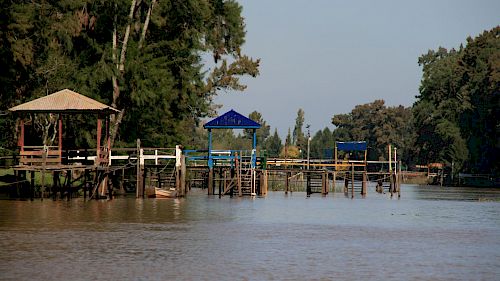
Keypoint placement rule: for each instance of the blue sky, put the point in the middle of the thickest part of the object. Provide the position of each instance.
(326, 56)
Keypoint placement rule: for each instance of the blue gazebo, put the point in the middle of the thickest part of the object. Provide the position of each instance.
(231, 120)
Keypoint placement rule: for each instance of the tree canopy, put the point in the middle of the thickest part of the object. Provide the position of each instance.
(146, 58)
(458, 109)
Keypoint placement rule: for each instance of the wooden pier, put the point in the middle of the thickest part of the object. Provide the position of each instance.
(150, 172)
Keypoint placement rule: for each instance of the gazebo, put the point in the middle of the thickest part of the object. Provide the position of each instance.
(231, 120)
(61, 103)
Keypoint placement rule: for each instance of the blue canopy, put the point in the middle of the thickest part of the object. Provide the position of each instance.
(232, 120)
(351, 145)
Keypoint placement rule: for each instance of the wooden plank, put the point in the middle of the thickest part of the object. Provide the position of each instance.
(39, 153)
(40, 160)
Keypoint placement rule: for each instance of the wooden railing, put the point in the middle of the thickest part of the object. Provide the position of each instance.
(40, 155)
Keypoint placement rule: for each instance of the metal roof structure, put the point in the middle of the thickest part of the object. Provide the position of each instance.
(351, 145)
(232, 120)
(64, 101)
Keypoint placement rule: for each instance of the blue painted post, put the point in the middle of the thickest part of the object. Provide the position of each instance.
(210, 160)
(210, 164)
(254, 149)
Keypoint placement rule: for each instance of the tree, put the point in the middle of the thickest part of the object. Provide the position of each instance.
(143, 57)
(379, 126)
(457, 112)
(273, 145)
(323, 140)
(298, 135)
(480, 122)
(262, 133)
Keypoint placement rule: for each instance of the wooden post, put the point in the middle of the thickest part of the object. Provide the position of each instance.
(69, 185)
(122, 182)
(60, 138)
(144, 181)
(183, 175)
(390, 159)
(220, 182)
(85, 174)
(210, 181)
(363, 188)
(352, 180)
(237, 166)
(264, 183)
(158, 173)
(308, 184)
(399, 180)
(108, 141)
(287, 182)
(333, 182)
(346, 183)
(324, 183)
(44, 158)
(98, 150)
(32, 185)
(21, 136)
(138, 171)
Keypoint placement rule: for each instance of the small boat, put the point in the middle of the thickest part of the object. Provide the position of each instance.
(165, 193)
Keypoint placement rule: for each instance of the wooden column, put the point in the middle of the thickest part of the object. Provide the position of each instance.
(264, 186)
(352, 180)
(324, 183)
(363, 188)
(21, 136)
(210, 181)
(308, 184)
(99, 131)
(400, 178)
(108, 138)
(60, 138)
(32, 185)
(183, 175)
(138, 181)
(287, 182)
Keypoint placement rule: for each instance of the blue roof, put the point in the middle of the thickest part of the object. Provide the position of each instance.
(351, 145)
(232, 120)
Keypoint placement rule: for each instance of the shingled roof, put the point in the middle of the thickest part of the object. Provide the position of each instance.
(64, 101)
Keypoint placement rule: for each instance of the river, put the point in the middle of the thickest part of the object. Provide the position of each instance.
(431, 233)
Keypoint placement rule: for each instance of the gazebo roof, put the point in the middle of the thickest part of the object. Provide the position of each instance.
(232, 120)
(64, 101)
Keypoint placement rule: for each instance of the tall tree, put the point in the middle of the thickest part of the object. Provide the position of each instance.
(298, 134)
(379, 126)
(480, 123)
(457, 111)
(143, 57)
(273, 145)
(262, 133)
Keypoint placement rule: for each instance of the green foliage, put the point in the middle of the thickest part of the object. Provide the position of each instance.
(273, 145)
(323, 139)
(298, 134)
(162, 88)
(456, 114)
(262, 133)
(379, 126)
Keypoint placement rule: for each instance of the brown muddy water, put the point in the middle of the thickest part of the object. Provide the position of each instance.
(431, 233)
